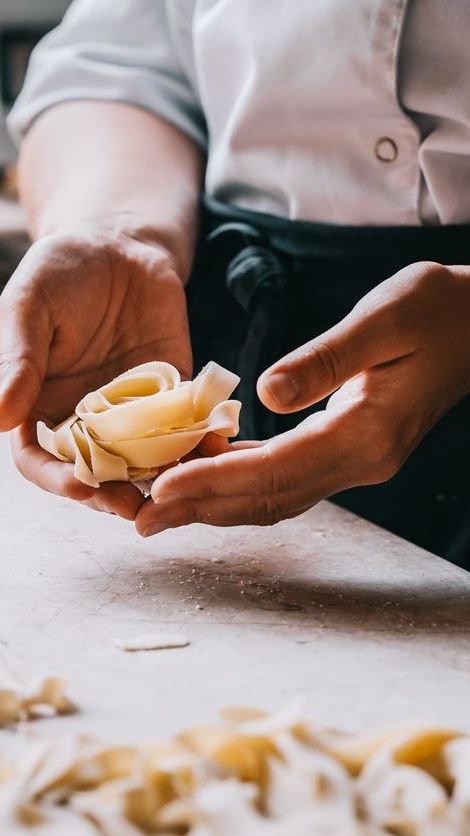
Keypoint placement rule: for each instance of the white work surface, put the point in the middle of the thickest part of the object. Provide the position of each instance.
(371, 629)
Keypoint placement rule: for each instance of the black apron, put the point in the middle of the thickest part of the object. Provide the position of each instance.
(262, 286)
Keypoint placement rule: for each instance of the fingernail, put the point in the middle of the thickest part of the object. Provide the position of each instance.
(154, 529)
(284, 388)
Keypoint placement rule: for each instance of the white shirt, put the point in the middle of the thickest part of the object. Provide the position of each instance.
(342, 111)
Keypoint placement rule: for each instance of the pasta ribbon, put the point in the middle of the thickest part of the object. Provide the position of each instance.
(141, 421)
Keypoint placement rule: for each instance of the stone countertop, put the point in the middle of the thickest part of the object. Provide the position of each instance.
(369, 628)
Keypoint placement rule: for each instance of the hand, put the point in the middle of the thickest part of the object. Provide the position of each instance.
(395, 364)
(77, 312)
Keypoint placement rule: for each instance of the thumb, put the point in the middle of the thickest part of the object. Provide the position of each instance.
(24, 349)
(365, 338)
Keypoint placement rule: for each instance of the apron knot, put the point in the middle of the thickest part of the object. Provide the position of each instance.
(255, 275)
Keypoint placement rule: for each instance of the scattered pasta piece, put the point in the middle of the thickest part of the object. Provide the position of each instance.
(253, 774)
(45, 699)
(141, 421)
(160, 641)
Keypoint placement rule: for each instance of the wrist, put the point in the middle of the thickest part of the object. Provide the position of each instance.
(109, 249)
(122, 230)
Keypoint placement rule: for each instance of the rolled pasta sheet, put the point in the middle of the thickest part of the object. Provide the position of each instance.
(141, 421)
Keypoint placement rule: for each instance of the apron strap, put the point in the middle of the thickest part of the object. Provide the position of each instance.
(257, 281)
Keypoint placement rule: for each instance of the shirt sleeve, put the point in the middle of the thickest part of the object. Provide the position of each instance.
(110, 50)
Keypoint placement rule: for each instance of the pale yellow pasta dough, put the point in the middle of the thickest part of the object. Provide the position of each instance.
(143, 420)
(156, 641)
(254, 775)
(44, 698)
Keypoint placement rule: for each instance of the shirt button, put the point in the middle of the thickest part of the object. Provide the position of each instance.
(386, 149)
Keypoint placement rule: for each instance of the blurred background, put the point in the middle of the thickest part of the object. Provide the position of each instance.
(22, 24)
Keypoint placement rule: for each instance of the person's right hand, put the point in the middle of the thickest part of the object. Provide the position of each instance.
(77, 312)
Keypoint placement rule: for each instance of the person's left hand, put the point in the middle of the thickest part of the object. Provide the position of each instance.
(395, 364)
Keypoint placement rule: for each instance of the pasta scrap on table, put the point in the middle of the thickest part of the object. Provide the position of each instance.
(252, 775)
(142, 421)
(158, 641)
(44, 699)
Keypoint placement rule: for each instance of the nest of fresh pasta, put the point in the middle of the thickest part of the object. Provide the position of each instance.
(143, 420)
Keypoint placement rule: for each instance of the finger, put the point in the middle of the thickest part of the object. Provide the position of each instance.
(220, 511)
(268, 467)
(286, 475)
(25, 336)
(39, 467)
(226, 474)
(371, 335)
(119, 498)
(215, 445)
(211, 445)
(56, 477)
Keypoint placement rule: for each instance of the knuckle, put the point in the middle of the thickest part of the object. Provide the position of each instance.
(401, 307)
(432, 269)
(428, 275)
(190, 511)
(268, 511)
(326, 363)
(277, 481)
(194, 514)
(382, 470)
(383, 453)
(434, 277)
(276, 478)
(281, 482)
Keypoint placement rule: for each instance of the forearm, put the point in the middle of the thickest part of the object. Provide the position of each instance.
(112, 167)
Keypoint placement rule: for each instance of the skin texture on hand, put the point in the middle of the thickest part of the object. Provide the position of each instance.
(112, 166)
(111, 193)
(393, 367)
(78, 312)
